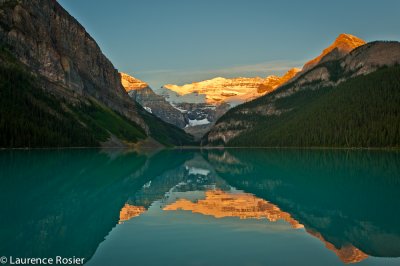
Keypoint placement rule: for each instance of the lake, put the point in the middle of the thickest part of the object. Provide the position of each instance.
(202, 207)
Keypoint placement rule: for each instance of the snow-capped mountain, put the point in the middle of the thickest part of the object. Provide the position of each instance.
(232, 91)
(197, 106)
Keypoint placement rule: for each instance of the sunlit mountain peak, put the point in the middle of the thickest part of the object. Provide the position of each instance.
(130, 83)
(344, 44)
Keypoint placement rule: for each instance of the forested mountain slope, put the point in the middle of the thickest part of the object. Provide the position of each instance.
(57, 87)
(337, 103)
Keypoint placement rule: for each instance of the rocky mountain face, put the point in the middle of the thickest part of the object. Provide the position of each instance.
(273, 82)
(155, 104)
(343, 45)
(72, 93)
(337, 64)
(59, 51)
(201, 117)
(132, 84)
(195, 118)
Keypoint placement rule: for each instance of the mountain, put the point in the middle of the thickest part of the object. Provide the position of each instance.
(342, 101)
(132, 84)
(58, 89)
(141, 93)
(273, 82)
(220, 90)
(59, 51)
(202, 103)
(205, 101)
(195, 118)
(343, 45)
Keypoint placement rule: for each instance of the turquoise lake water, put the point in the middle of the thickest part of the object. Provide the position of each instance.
(202, 207)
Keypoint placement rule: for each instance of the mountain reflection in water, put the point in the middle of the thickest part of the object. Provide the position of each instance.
(130, 211)
(345, 200)
(220, 204)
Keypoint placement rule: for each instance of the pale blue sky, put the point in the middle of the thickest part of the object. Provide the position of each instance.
(179, 41)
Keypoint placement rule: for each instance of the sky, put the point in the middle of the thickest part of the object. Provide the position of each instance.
(181, 41)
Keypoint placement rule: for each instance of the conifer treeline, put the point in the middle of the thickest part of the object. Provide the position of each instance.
(30, 118)
(361, 112)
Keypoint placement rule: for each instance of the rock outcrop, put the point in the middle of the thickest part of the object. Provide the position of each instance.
(368, 58)
(59, 51)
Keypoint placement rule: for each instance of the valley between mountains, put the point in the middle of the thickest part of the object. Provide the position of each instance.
(59, 90)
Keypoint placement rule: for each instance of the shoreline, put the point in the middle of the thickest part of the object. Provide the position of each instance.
(213, 148)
